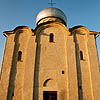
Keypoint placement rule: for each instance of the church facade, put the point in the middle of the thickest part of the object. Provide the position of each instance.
(51, 62)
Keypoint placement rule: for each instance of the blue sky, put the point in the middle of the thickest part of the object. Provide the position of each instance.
(15, 13)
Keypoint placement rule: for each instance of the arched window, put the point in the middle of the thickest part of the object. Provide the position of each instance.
(81, 55)
(19, 55)
(51, 38)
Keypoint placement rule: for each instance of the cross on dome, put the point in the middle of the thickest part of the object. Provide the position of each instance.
(51, 3)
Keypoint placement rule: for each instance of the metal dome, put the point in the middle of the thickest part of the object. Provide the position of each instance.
(51, 12)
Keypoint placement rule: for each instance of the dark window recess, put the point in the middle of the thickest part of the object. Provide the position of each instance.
(80, 87)
(51, 38)
(81, 55)
(12, 94)
(62, 72)
(19, 55)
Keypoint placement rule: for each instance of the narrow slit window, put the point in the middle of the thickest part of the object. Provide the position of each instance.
(12, 94)
(80, 87)
(63, 72)
(81, 55)
(19, 55)
(51, 39)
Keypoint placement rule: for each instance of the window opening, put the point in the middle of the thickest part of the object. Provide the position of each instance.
(19, 55)
(63, 72)
(81, 55)
(80, 87)
(51, 39)
(12, 94)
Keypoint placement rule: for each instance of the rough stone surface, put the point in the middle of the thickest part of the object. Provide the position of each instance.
(50, 66)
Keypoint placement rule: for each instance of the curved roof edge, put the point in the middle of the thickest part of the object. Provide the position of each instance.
(51, 12)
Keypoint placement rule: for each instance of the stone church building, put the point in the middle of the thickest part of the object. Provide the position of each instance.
(50, 62)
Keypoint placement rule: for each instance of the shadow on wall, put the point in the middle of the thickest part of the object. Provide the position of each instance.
(98, 49)
(79, 76)
(13, 68)
(36, 70)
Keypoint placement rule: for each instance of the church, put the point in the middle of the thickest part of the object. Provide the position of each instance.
(50, 62)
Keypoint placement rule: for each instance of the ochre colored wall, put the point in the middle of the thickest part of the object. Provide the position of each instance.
(42, 63)
(54, 57)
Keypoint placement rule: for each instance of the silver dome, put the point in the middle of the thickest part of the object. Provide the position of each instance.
(50, 12)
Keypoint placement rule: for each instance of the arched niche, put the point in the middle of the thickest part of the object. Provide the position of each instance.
(50, 83)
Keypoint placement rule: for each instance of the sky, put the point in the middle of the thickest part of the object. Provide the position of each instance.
(15, 13)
